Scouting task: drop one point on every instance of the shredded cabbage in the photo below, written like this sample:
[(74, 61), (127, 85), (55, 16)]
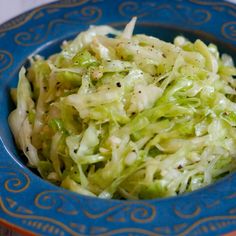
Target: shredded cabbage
[(129, 116)]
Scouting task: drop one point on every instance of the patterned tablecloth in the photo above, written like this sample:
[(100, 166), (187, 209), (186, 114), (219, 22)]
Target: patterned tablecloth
[(6, 232), (9, 9)]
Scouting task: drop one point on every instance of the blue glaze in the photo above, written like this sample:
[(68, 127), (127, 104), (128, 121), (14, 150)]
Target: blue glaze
[(29, 202)]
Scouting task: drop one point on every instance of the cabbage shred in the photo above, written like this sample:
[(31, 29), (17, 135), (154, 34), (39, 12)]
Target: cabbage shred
[(128, 117)]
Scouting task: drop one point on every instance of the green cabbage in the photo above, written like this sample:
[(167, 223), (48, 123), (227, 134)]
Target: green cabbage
[(128, 117)]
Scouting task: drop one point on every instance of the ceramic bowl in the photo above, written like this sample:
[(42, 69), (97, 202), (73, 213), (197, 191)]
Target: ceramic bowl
[(33, 206)]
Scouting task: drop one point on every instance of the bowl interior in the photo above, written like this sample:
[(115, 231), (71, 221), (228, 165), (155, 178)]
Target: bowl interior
[(165, 33)]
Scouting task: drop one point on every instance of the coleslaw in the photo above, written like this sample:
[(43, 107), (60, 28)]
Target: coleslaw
[(128, 116)]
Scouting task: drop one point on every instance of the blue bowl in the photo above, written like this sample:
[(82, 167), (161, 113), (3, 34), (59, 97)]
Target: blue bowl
[(33, 206)]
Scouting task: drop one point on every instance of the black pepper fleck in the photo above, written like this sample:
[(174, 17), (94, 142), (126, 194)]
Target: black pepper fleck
[(75, 151), (118, 84)]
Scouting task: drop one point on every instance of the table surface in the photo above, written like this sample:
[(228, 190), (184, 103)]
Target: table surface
[(7, 11)]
